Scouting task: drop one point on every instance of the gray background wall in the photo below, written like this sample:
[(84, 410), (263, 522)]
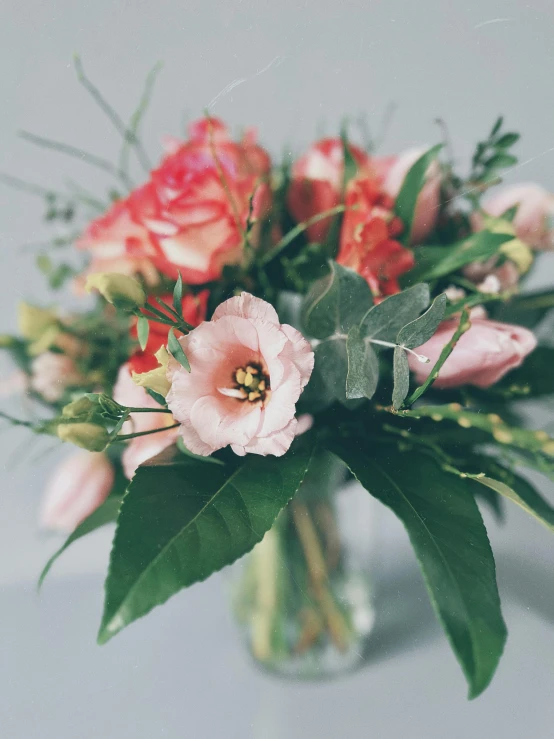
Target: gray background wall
[(298, 67)]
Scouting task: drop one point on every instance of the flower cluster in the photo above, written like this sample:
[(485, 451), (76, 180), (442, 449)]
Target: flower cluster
[(250, 318)]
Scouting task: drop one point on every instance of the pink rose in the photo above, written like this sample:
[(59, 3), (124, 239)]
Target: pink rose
[(247, 373), (484, 354), (535, 211), (393, 171), (80, 484), (317, 183), (141, 448)]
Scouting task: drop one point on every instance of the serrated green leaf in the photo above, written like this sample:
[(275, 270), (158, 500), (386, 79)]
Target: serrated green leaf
[(143, 329), (411, 187), (384, 321), (363, 367), (104, 514), (178, 524), (447, 532), (419, 331), (335, 303), (401, 377), (177, 350), (434, 262), (178, 296)]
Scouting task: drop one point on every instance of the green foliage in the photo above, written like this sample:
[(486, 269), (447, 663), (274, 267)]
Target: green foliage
[(491, 155), (526, 310), (401, 377), (445, 528), (363, 366), (420, 330), (143, 329), (385, 320), (411, 187), (180, 523), (177, 350)]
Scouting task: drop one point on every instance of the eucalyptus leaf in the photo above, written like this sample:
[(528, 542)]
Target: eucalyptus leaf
[(335, 303), (384, 320), (363, 367), (411, 187), (401, 376), (419, 331), (445, 527), (176, 350), (180, 523)]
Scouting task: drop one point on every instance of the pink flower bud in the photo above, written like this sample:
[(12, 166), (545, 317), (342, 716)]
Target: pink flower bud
[(79, 484), (535, 209), (484, 354)]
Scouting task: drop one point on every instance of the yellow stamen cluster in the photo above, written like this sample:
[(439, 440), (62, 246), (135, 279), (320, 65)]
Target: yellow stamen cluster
[(252, 382)]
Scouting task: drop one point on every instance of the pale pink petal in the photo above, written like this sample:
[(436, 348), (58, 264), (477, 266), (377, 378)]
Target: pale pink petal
[(247, 306), (142, 448), (275, 444)]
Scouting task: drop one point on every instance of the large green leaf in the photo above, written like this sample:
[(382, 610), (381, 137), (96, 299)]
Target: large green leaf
[(384, 321), (414, 181), (104, 514), (335, 303), (445, 527), (180, 522)]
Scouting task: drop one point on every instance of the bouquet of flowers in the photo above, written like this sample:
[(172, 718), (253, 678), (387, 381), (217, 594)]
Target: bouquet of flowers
[(262, 334)]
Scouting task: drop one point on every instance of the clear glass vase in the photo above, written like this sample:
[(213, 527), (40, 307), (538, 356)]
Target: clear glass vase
[(303, 597)]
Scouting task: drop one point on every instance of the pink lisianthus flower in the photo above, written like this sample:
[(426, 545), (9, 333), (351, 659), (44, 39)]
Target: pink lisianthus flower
[(483, 354), (141, 448), (247, 373), (78, 486)]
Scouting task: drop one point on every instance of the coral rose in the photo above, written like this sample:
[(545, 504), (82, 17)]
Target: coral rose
[(535, 211), (317, 182), (483, 354), (247, 373), (367, 243), (197, 203), (393, 171), (141, 448), (79, 484)]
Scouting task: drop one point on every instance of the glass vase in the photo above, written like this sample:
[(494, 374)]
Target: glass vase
[(303, 597)]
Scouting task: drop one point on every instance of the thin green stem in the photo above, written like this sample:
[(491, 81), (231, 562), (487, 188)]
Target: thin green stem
[(148, 410), (16, 421), (125, 437), (463, 326), (30, 187)]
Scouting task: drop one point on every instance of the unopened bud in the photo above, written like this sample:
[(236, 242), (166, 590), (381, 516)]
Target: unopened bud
[(121, 291), (88, 436), (80, 408)]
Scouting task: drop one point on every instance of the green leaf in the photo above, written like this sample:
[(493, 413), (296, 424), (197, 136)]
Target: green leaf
[(500, 161), (106, 513), (507, 140), (156, 396), (335, 303), (363, 367), (180, 523), (205, 460), (445, 528), (434, 262), (384, 321), (143, 328), (350, 166), (523, 494), (419, 331), (178, 296), (176, 349), (331, 368), (401, 375), (411, 187), (526, 310), (497, 126)]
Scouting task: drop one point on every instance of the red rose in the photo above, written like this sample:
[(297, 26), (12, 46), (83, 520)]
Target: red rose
[(194, 312), (317, 183), (367, 242)]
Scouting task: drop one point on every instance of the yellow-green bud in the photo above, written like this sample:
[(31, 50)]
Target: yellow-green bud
[(120, 290), (33, 322), (88, 436), (515, 249), (79, 408)]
